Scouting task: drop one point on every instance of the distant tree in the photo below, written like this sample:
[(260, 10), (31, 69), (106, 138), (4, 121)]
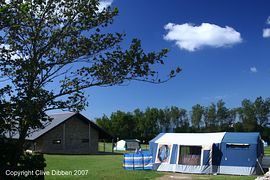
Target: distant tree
[(123, 125), (238, 127), (164, 118), (138, 116), (161, 120), (247, 115), (231, 120), (262, 109), (52, 50), (222, 115), (197, 115), (179, 117), (210, 117), (105, 123), (149, 124)]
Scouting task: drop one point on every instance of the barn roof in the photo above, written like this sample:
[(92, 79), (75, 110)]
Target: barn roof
[(60, 118)]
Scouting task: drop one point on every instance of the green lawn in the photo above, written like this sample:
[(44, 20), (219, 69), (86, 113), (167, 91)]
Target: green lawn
[(108, 167), (267, 151), (98, 166)]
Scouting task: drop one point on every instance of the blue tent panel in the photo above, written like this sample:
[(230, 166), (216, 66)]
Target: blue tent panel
[(206, 156), (174, 154), (244, 137)]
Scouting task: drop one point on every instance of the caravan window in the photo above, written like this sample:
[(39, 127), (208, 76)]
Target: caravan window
[(163, 153), (190, 155), (237, 145)]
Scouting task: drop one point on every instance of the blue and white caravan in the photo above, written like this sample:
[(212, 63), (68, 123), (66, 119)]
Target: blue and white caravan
[(207, 153)]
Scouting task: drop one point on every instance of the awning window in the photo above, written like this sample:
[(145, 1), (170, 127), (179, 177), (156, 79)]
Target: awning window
[(237, 145)]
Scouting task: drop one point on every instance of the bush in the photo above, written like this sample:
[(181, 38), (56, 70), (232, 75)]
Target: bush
[(27, 165)]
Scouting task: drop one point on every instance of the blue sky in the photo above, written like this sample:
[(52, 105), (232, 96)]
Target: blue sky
[(222, 46), (231, 67)]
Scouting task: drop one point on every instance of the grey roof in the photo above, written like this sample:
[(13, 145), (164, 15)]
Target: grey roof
[(56, 120), (59, 118)]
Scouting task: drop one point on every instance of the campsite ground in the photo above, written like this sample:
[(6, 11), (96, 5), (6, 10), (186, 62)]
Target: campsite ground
[(110, 167)]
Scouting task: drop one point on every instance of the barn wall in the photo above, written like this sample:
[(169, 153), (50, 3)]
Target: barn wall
[(75, 135)]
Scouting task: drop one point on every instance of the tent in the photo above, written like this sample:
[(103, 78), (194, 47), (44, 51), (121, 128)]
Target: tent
[(241, 154), (207, 153), (127, 144)]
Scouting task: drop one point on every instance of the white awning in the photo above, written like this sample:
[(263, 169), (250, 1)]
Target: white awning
[(191, 139)]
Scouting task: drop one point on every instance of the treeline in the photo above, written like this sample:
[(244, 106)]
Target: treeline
[(145, 125)]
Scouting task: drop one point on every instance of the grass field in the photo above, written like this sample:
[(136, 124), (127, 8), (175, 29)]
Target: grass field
[(110, 167), (98, 166), (267, 151)]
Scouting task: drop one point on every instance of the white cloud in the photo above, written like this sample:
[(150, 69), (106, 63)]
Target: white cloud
[(104, 4), (192, 38), (253, 69), (268, 20), (266, 33)]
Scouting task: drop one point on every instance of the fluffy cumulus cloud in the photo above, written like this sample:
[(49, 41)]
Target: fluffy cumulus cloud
[(266, 33), (253, 69), (191, 38), (104, 4)]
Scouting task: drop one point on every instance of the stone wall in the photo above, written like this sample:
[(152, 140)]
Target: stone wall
[(74, 136)]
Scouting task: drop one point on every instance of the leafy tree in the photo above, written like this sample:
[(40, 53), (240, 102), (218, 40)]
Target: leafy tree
[(248, 115), (105, 123), (138, 116), (179, 117), (231, 120), (123, 125), (262, 108), (210, 116), (197, 115), (52, 50), (222, 113), (149, 124), (164, 118)]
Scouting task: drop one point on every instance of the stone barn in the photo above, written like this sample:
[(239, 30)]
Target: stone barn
[(68, 133)]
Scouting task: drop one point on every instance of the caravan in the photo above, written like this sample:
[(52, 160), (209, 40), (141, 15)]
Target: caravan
[(208, 153)]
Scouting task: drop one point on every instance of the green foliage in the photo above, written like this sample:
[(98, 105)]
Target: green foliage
[(210, 116), (145, 125), (26, 162), (197, 115), (248, 115), (51, 51), (262, 109)]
